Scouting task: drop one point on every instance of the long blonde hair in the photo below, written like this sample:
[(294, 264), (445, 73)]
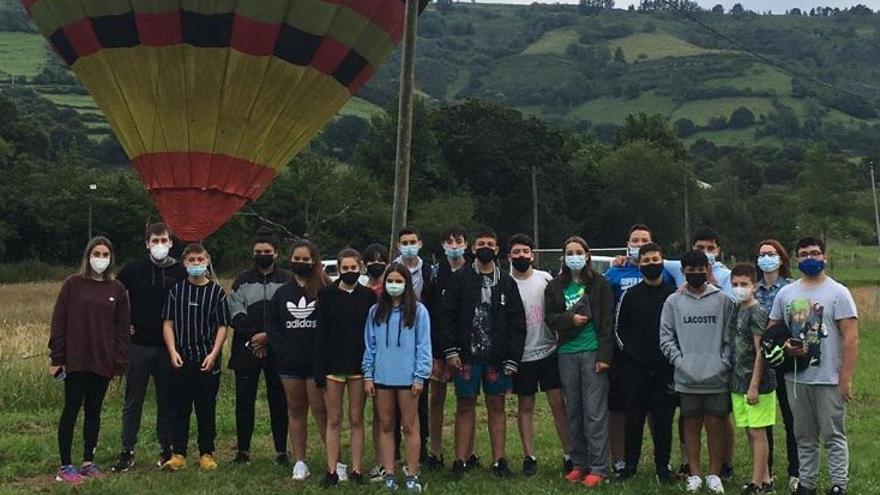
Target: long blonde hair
[(86, 268)]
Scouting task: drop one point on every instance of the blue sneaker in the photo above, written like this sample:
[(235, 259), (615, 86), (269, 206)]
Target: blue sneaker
[(413, 485), (391, 482)]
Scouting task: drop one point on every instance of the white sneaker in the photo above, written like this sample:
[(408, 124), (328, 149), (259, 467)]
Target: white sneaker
[(793, 483), (694, 483), (377, 474), (342, 471), (300, 471), (714, 484)]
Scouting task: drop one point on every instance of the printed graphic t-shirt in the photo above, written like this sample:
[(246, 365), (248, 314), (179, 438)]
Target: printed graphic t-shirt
[(812, 313)]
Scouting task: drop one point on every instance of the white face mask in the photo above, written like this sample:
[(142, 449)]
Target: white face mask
[(633, 252), (159, 251), (99, 265), (742, 294)]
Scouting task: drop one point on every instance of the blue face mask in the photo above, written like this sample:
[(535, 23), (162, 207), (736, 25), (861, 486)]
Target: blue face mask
[(196, 271), (454, 253), (711, 258), (769, 263), (576, 262), (410, 251), (633, 253), (811, 267)]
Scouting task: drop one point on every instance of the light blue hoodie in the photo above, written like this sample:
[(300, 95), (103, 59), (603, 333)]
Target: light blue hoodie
[(396, 355)]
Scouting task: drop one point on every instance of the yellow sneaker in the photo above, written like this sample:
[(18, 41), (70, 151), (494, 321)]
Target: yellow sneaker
[(176, 463), (207, 462)]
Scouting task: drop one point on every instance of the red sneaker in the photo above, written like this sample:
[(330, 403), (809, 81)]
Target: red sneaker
[(593, 480), (574, 475)]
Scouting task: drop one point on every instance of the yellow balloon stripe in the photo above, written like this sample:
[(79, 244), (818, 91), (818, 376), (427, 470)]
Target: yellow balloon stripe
[(213, 100)]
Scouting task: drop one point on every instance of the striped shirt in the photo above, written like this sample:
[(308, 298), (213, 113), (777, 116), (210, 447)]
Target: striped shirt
[(197, 313)]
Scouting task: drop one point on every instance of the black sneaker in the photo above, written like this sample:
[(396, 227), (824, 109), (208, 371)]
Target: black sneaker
[(473, 462), (330, 479), (684, 470), (459, 467), (837, 490), (433, 463), (282, 459), (124, 462), (530, 466), (667, 477), (726, 473), (242, 458), (751, 488), (357, 478), (500, 469), (627, 473), (567, 465), (164, 456)]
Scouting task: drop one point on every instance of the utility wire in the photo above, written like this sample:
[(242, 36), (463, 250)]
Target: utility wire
[(767, 60)]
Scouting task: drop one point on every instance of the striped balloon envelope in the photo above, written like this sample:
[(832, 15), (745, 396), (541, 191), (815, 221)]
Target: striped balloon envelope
[(210, 98)]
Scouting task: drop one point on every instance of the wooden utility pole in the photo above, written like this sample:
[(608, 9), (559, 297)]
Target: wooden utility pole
[(404, 122), (876, 210), (535, 211)]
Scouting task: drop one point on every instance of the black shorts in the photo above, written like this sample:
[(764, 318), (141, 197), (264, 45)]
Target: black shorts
[(616, 392), (299, 372), (379, 386), (693, 405), (544, 372)]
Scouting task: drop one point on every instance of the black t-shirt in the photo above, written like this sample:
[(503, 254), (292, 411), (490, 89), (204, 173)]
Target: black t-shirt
[(197, 312)]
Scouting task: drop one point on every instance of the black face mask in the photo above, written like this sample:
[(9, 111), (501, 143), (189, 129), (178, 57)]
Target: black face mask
[(263, 261), (695, 280), (485, 254), (350, 278), (376, 270), (521, 264), (301, 269), (651, 271)]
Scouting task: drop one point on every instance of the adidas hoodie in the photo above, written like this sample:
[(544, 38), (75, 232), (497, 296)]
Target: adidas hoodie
[(291, 326), (694, 338)]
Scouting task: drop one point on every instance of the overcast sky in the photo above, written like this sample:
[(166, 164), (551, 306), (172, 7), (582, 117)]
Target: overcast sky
[(777, 6)]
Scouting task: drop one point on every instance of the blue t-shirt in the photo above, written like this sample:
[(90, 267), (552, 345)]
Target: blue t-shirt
[(621, 278)]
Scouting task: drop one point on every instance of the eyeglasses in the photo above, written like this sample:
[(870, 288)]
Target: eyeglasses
[(809, 254)]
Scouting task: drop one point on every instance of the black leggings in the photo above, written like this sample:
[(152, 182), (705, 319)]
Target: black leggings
[(86, 390)]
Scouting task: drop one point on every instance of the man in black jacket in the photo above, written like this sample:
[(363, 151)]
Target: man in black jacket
[(483, 329), (647, 374), (248, 304), (148, 281)]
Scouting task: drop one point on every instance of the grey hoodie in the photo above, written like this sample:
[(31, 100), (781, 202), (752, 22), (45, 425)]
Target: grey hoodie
[(694, 337)]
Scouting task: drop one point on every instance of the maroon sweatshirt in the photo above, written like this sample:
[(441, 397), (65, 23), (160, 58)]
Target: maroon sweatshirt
[(90, 327)]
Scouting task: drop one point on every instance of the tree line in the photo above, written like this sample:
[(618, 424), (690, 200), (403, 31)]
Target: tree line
[(473, 163)]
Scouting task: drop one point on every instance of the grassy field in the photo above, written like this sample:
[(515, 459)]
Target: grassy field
[(22, 54), (612, 110), (30, 404), (759, 77), (656, 45), (554, 42)]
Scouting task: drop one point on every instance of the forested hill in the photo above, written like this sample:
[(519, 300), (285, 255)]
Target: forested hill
[(729, 77)]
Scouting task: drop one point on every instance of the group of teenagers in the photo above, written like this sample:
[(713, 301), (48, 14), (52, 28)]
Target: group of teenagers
[(610, 351)]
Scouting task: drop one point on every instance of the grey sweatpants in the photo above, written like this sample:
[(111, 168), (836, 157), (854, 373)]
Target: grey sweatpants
[(819, 413), (586, 407)]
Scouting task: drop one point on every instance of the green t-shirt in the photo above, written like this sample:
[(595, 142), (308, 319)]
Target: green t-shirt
[(586, 339)]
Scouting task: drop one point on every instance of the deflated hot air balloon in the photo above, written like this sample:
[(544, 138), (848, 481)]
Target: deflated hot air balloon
[(210, 98)]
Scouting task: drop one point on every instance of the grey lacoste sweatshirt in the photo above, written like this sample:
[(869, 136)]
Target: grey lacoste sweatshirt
[(694, 337)]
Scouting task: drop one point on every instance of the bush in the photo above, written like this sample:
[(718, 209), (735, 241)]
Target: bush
[(741, 117)]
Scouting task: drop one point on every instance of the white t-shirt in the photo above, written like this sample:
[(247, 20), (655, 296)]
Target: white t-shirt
[(540, 341)]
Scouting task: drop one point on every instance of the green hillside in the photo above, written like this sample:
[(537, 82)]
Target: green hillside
[(591, 71)]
